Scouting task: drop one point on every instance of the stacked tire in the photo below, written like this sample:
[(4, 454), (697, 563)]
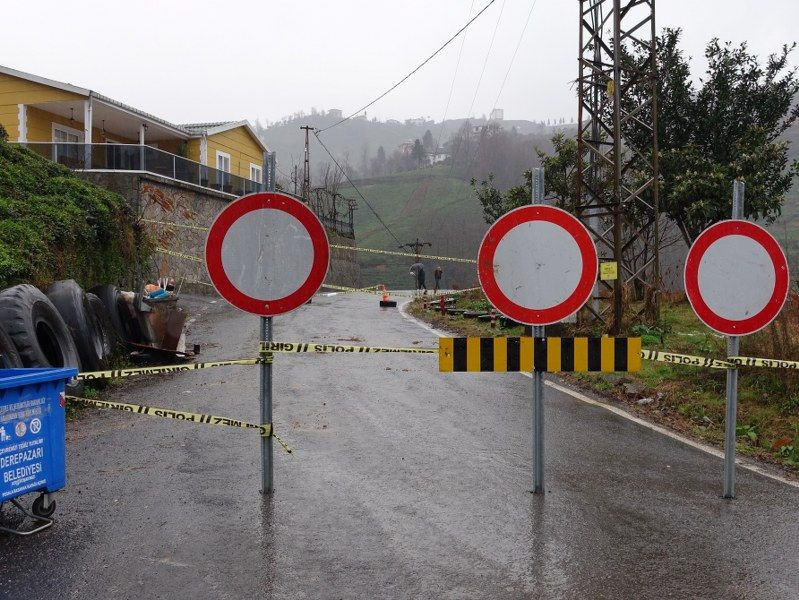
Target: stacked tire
[(61, 327)]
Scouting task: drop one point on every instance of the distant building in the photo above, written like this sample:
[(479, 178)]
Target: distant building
[(406, 148), (393, 122), (437, 157), (335, 113), (416, 121), (498, 114)]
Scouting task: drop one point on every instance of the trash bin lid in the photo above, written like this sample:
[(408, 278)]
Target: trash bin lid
[(10, 378)]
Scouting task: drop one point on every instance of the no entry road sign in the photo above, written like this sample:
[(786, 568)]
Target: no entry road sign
[(736, 277), (537, 264), (267, 253)]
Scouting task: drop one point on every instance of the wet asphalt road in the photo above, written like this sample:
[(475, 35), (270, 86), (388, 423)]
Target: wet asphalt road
[(405, 483)]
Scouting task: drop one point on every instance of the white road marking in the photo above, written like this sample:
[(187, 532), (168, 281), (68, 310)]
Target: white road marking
[(626, 415)]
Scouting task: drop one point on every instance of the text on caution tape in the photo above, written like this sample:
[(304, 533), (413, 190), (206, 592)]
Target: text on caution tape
[(288, 347), (265, 429)]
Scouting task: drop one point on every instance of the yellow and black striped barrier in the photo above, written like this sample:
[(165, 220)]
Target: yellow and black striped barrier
[(550, 354)]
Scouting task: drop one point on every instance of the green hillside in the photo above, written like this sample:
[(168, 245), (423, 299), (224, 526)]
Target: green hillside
[(428, 204), (54, 225)]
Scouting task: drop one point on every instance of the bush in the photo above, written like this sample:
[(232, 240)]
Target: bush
[(54, 225)]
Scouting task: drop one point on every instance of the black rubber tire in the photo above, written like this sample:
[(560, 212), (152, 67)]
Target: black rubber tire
[(105, 327), (73, 306), (9, 357), (37, 329), (39, 510), (124, 323)]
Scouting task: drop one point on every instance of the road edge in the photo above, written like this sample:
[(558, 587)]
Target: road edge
[(745, 463)]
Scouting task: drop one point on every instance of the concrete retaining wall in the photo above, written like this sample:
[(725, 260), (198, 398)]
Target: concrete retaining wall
[(169, 201)]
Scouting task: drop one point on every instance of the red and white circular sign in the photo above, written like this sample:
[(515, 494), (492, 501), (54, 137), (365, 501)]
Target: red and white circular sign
[(537, 264), (267, 253), (736, 277)]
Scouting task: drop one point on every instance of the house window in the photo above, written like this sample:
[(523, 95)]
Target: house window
[(256, 173), (62, 133), (223, 161), (65, 147), (222, 179)]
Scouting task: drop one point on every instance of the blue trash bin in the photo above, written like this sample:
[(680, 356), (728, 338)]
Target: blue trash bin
[(33, 438)]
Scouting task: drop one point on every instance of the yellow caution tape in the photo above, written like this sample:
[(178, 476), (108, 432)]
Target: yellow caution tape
[(266, 429), (293, 347), (685, 359), (773, 363), (408, 254), (339, 246), (181, 225), (350, 290), (169, 368), (205, 283), (180, 255)]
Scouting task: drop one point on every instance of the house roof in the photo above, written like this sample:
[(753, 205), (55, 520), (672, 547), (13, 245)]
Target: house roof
[(220, 126), (191, 129)]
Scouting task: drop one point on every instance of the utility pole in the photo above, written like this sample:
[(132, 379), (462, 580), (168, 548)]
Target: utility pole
[(617, 135), (294, 179), (416, 247), (306, 171)]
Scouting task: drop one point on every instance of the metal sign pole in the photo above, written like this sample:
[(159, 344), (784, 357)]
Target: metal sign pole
[(538, 377), (266, 411), (267, 485), (733, 346)]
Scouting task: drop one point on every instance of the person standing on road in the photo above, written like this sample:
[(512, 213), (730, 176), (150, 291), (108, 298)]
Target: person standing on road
[(417, 270), (437, 275)]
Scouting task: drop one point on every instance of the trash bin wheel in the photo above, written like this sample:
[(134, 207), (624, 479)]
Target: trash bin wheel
[(39, 510)]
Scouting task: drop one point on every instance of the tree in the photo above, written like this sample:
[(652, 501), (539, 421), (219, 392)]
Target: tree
[(379, 162), (495, 203), (560, 174), (418, 153), (427, 141), (729, 128)]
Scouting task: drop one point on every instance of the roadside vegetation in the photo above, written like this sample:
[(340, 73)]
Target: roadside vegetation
[(690, 400), (54, 225)]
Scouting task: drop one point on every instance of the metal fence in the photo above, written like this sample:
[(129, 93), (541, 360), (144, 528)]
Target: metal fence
[(137, 157)]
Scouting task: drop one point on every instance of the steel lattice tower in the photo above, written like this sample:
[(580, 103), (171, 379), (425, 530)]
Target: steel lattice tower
[(617, 188)]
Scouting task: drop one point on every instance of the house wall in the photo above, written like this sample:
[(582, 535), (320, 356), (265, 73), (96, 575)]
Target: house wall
[(15, 91), (40, 127), (165, 200), (193, 150), (243, 150)]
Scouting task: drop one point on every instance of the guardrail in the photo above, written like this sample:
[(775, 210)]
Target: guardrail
[(137, 157)]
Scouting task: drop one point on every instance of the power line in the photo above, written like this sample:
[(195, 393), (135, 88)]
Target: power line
[(513, 58), (485, 62), (452, 86), (374, 212), (401, 81)]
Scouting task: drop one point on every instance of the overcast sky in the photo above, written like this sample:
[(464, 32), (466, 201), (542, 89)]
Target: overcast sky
[(206, 61)]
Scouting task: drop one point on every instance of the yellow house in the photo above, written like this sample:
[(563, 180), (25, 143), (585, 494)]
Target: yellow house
[(85, 130)]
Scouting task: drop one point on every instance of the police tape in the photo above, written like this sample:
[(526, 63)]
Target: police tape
[(301, 347), (351, 290), (686, 359), (265, 429), (180, 255), (181, 225), (772, 363), (408, 254), (338, 246), (167, 369)]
